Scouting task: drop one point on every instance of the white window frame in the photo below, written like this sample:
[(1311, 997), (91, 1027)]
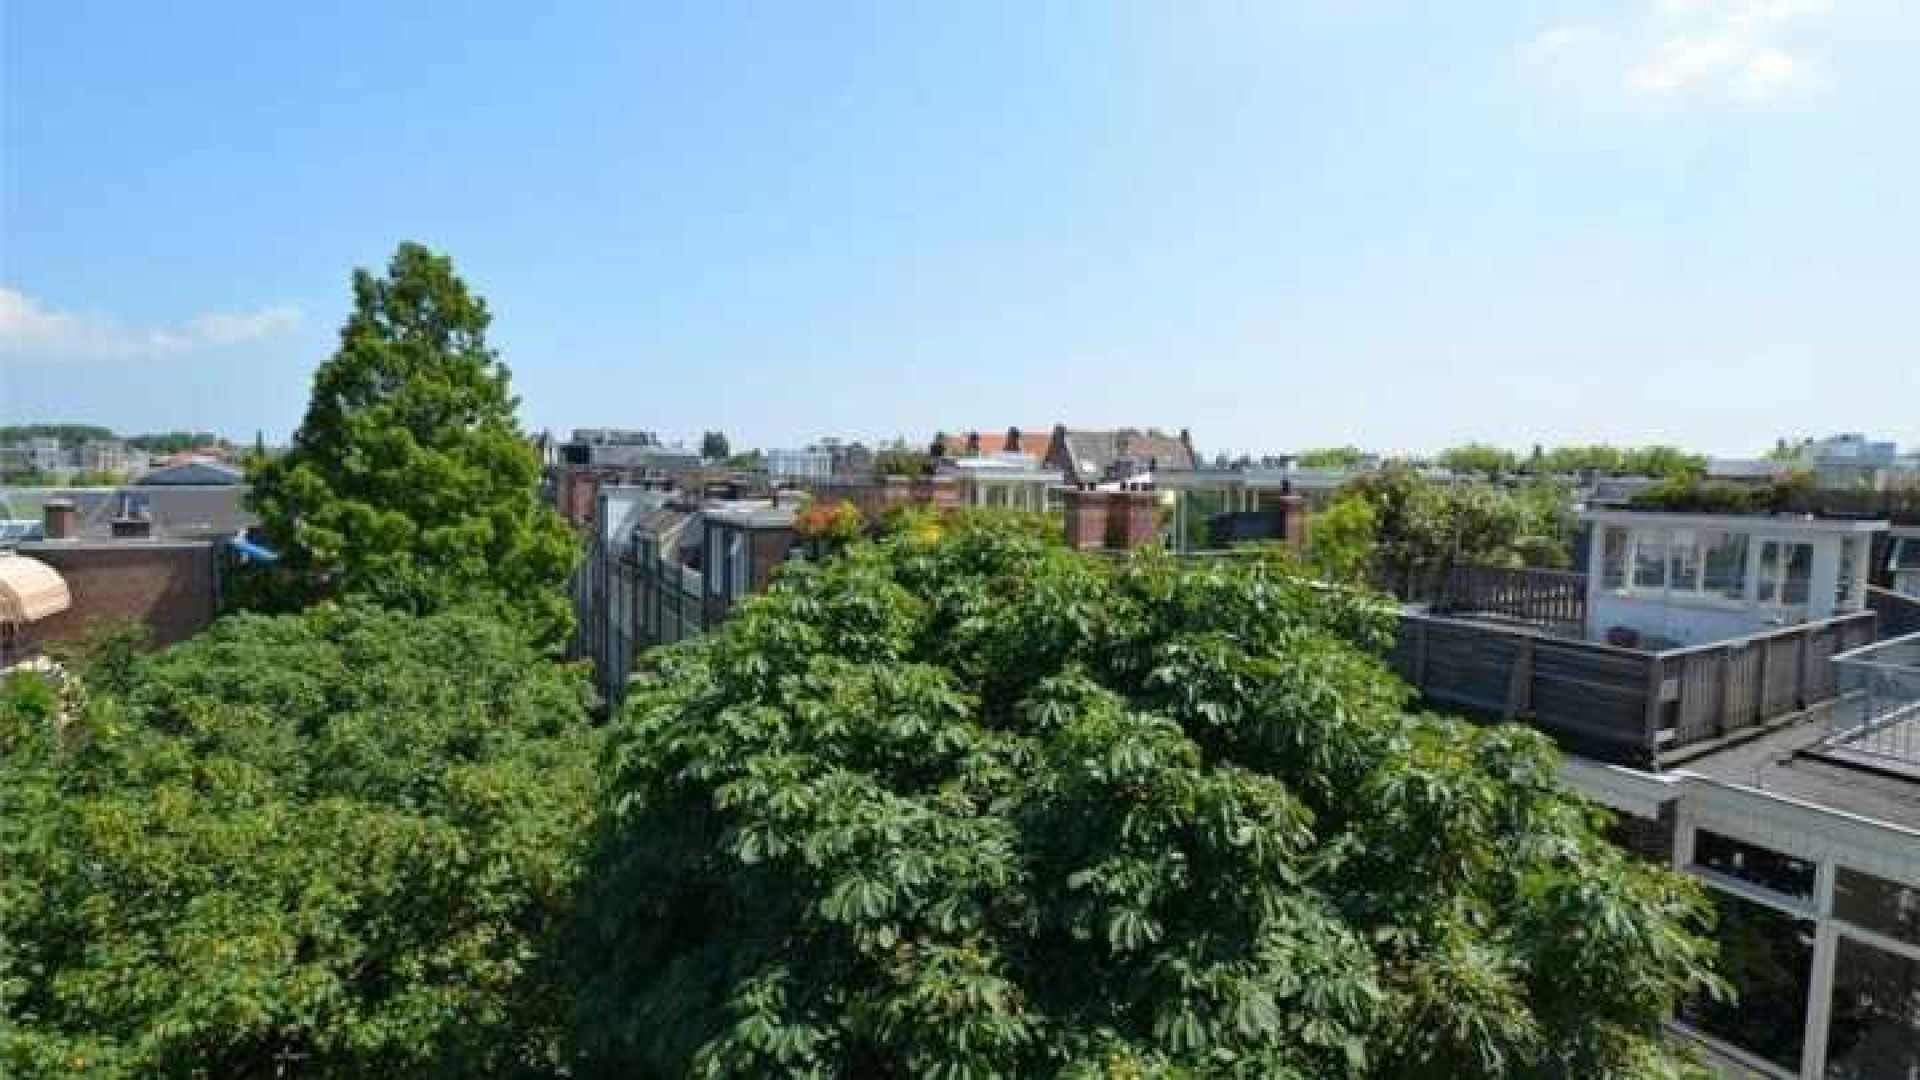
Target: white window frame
[(1775, 572), (1828, 931), (1694, 595)]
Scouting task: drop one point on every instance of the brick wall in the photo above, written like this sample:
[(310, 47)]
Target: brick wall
[(877, 497), (170, 587)]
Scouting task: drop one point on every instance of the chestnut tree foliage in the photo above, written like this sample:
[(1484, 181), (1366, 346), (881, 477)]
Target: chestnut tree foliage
[(337, 844), (962, 803)]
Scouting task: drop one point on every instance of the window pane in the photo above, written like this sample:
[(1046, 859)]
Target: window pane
[(1850, 570), (1614, 559), (1876, 904), (1683, 562), (1650, 561), (1767, 957), (1799, 574), (1875, 1027), (1751, 863), (1906, 554), (1725, 558), (1770, 572)]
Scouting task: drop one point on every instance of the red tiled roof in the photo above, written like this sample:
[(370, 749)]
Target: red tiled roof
[(1033, 441)]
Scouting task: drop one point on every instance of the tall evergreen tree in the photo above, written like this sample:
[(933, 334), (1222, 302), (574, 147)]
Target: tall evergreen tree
[(410, 483)]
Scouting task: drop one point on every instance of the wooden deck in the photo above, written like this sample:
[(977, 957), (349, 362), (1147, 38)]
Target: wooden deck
[(1624, 705)]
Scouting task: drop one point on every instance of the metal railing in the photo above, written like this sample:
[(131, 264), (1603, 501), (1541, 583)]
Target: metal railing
[(1877, 712)]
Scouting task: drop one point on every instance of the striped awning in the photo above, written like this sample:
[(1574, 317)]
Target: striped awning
[(30, 590)]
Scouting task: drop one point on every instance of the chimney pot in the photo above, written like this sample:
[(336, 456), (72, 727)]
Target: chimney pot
[(57, 519)]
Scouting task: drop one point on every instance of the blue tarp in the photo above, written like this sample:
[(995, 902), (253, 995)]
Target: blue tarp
[(252, 552)]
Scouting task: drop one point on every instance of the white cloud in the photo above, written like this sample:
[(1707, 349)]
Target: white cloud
[(1554, 40), (1742, 50), (31, 330)]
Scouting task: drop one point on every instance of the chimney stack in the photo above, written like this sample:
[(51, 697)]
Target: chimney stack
[(58, 519), (1112, 520)]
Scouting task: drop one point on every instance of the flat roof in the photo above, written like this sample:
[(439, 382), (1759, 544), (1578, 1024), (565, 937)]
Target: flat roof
[(1739, 522), (760, 518), (1790, 762)]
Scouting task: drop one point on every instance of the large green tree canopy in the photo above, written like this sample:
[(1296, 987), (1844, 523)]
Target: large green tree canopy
[(336, 844), (410, 483), (968, 804), (1421, 528)]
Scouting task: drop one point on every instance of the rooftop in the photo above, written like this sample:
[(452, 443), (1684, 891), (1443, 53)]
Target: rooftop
[(1737, 522), (1793, 762)]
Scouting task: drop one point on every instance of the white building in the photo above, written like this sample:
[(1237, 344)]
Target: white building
[(799, 466), (1688, 579), (1851, 461), (1007, 482)]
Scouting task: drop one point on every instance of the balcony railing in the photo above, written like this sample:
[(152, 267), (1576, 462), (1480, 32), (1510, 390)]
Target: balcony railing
[(1877, 712), (1552, 600)]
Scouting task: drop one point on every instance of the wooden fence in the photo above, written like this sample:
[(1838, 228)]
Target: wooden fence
[(1624, 705), (1723, 687)]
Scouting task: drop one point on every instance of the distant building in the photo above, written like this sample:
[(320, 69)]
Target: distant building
[(1851, 462), (1028, 442), (193, 473), (216, 512), (41, 454), (103, 456), (1006, 483), (1755, 471), (169, 586), (1088, 457), (46, 455), (596, 458), (877, 496), (662, 567), (799, 466)]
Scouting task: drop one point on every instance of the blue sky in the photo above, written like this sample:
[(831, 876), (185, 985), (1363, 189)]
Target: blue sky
[(1396, 223)]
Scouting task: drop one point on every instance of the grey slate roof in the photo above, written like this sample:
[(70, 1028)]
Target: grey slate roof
[(195, 473), (1091, 453), (177, 512)]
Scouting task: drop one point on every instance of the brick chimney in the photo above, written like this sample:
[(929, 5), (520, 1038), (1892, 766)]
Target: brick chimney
[(1112, 520), (58, 519), (1292, 511)]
